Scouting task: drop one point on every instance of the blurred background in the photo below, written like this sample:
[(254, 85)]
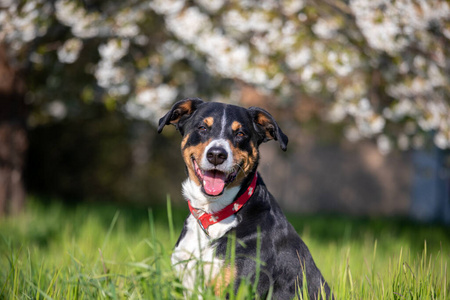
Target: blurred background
[(361, 88)]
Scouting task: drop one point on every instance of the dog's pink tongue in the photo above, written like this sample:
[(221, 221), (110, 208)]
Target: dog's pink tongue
[(213, 182)]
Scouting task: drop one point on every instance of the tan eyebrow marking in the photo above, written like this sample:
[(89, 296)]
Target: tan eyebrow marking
[(209, 121), (236, 125)]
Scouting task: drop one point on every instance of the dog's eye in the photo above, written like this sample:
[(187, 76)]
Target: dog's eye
[(202, 128), (240, 134)]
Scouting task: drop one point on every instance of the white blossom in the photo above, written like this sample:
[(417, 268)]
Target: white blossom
[(325, 29), (384, 144), (167, 6), (290, 7), (302, 17), (188, 24), (262, 44), (388, 25), (68, 53), (172, 52), (163, 95), (336, 113), (370, 125), (57, 109), (436, 78), (435, 114), (298, 58), (151, 102), (19, 24), (125, 22), (442, 140), (307, 73), (211, 5), (258, 21), (109, 75), (82, 23), (114, 50), (352, 134)]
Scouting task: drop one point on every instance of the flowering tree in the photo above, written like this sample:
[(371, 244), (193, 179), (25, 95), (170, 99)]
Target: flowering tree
[(378, 66)]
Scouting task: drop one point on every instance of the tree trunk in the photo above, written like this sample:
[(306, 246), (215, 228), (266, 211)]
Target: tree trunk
[(13, 136)]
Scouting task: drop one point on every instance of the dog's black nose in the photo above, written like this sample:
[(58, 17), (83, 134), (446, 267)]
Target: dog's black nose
[(216, 155)]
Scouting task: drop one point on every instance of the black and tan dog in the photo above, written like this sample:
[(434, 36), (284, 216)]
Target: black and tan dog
[(227, 196)]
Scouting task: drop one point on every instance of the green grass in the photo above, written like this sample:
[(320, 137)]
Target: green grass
[(89, 251)]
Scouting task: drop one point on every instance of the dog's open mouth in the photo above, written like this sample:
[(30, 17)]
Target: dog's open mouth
[(213, 181)]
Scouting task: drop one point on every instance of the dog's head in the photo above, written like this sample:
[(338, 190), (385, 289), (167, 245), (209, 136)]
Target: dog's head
[(220, 141)]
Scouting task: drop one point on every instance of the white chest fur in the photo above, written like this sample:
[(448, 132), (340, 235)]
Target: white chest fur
[(194, 258)]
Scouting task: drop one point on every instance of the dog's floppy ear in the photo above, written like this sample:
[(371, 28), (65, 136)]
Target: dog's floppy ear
[(179, 112), (267, 127)]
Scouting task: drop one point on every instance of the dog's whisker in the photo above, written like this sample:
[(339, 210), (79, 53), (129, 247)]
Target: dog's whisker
[(240, 169)]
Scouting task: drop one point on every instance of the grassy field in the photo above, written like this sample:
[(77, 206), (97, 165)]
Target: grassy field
[(90, 251)]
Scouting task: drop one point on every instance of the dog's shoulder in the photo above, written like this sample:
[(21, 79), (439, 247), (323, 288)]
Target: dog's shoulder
[(263, 218)]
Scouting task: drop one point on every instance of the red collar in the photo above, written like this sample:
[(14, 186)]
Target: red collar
[(205, 220)]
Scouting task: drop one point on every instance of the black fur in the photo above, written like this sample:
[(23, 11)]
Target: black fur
[(284, 254)]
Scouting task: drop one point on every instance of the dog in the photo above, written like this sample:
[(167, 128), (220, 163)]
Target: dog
[(228, 198)]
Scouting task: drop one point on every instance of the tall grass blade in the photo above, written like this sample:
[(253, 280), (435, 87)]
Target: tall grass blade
[(39, 291), (170, 220)]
